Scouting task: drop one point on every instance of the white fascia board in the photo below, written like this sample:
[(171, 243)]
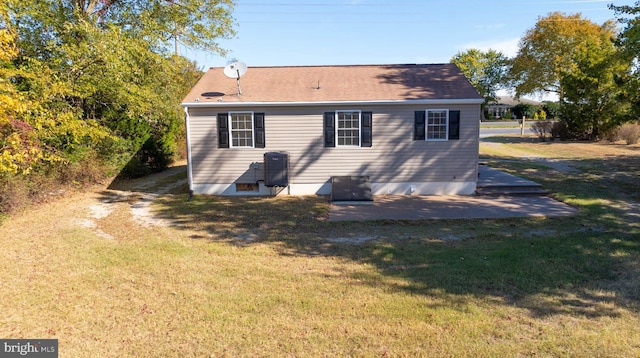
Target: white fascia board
[(336, 103)]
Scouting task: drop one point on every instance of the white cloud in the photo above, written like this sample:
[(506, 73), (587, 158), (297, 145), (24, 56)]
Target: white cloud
[(508, 47)]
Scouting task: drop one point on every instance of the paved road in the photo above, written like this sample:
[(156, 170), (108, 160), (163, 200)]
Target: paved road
[(489, 129)]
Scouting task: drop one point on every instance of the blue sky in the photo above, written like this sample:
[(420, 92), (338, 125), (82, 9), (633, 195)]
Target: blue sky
[(327, 32)]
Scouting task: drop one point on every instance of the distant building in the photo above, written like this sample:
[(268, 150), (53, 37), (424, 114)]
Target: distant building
[(499, 108)]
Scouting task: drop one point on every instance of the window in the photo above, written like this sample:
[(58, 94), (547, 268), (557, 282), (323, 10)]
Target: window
[(241, 130), (348, 129), (437, 125), (241, 124)]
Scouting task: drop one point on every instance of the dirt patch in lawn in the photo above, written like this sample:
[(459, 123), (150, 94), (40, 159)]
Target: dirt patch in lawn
[(137, 196)]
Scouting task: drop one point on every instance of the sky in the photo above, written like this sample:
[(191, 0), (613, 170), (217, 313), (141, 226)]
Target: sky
[(349, 32)]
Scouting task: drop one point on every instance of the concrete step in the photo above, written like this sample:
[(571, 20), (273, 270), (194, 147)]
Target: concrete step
[(510, 190)]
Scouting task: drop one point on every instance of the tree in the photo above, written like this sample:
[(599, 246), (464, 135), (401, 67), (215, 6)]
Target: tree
[(487, 71), (628, 44), (575, 59), (19, 147), (196, 23), (592, 100), (551, 108), (524, 110), (547, 51), (93, 83)]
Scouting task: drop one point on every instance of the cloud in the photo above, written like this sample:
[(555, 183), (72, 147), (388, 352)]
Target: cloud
[(508, 47)]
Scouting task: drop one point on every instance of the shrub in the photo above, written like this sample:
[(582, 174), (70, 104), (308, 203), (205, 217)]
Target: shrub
[(524, 109), (18, 192), (559, 130), (542, 114), (552, 109), (508, 114), (541, 129), (13, 194), (629, 132)]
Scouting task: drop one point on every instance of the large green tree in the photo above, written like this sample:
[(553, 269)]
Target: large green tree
[(575, 59), (593, 103), (487, 71), (102, 74), (628, 43), (94, 84), (197, 23), (548, 51)]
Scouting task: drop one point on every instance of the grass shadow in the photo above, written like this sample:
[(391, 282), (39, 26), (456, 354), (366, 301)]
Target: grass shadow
[(548, 266), (586, 265)]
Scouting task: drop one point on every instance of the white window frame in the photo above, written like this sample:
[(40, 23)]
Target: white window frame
[(231, 130), (426, 126), (359, 129)]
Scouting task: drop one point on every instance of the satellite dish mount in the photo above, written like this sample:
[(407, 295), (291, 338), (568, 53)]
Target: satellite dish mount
[(236, 70)]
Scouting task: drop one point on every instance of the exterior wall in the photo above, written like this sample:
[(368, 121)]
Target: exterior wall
[(396, 164)]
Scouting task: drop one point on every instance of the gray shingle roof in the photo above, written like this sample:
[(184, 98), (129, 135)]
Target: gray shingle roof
[(335, 84)]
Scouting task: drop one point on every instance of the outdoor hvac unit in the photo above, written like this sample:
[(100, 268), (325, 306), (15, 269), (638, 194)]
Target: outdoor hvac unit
[(351, 188), (276, 169)]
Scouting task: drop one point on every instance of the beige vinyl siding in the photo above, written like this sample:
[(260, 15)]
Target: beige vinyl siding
[(394, 157)]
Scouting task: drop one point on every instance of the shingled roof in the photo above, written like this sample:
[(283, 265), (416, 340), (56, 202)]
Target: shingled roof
[(308, 84)]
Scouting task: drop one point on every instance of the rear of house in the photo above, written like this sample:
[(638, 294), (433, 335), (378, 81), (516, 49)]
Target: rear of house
[(407, 129)]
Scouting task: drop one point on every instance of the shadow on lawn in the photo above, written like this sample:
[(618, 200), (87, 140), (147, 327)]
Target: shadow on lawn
[(588, 264)]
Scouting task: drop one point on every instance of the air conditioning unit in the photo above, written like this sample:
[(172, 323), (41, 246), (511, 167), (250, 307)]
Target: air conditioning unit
[(276, 169)]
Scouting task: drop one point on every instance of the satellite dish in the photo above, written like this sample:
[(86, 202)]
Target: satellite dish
[(235, 70)]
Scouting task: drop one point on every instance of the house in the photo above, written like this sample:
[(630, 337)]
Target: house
[(405, 129), (498, 109)]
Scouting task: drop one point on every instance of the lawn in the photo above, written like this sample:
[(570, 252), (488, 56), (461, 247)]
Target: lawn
[(272, 277)]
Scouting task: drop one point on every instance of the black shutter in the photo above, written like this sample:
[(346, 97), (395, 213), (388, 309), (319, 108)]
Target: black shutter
[(258, 130), (419, 127), (223, 130), (454, 125), (329, 129), (366, 129)]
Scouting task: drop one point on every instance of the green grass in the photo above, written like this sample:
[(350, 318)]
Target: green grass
[(273, 277)]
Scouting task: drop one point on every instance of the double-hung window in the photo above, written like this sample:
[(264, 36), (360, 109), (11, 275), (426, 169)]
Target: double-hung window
[(241, 130), (352, 128), (348, 128), (436, 125)]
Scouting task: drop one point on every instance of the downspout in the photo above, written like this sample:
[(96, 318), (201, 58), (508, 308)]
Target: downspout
[(189, 163)]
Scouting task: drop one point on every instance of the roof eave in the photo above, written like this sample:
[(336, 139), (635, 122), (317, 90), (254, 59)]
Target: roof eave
[(340, 103)]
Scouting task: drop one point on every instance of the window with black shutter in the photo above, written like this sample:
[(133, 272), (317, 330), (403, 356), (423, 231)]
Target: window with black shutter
[(348, 129), (241, 130), (454, 125), (436, 125), (419, 128), (366, 130), (258, 130), (329, 129), (223, 130)]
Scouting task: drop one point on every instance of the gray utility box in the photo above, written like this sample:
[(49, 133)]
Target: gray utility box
[(276, 169), (351, 188)]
